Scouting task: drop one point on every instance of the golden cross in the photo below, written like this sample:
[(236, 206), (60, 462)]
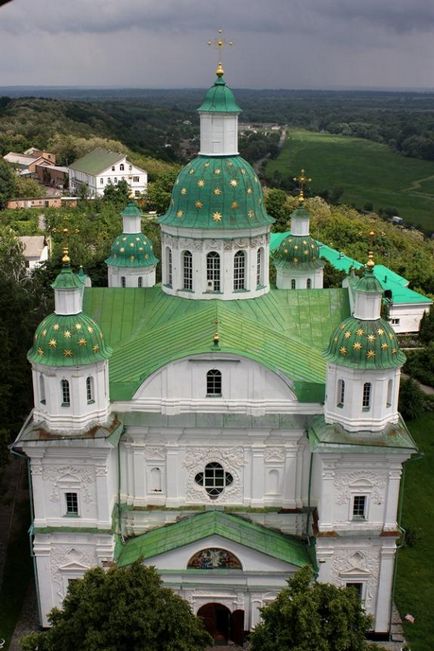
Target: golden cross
[(302, 181), (66, 234), (219, 43)]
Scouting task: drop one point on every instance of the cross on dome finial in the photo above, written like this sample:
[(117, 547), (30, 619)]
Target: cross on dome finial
[(219, 43), (302, 181)]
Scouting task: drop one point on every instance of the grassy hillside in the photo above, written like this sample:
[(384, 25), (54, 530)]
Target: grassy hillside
[(367, 172)]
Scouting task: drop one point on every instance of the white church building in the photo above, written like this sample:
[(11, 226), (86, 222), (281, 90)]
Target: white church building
[(227, 432)]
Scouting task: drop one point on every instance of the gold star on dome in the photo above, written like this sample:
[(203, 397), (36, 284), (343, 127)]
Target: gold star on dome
[(82, 341), (67, 352), (132, 257), (198, 204), (251, 213), (124, 239), (341, 326), (242, 170), (137, 239), (90, 329), (394, 351), (296, 260), (184, 191), (234, 204), (312, 246), (285, 250), (249, 190), (52, 343), (296, 247), (217, 171), (230, 164), (40, 351), (206, 164), (217, 191), (191, 171), (304, 242), (384, 346), (146, 256), (78, 326), (371, 338), (336, 340), (306, 252), (131, 243), (357, 345), (180, 213), (347, 335), (233, 183), (141, 248), (56, 326), (217, 217), (43, 333), (370, 354), (122, 250), (360, 332), (201, 183), (95, 348), (380, 331), (67, 334), (343, 350)]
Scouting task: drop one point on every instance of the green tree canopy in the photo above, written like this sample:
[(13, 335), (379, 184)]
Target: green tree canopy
[(122, 609), (7, 183), (426, 329), (307, 615), (277, 205)]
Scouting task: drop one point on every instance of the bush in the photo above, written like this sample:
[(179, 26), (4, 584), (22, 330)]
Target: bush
[(411, 399)]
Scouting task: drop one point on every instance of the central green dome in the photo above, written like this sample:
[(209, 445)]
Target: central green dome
[(219, 193)]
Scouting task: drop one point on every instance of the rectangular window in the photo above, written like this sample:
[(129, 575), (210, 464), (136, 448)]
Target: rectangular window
[(394, 321), (239, 271), (359, 507), (136, 179), (341, 393), (213, 272), (101, 181), (71, 503), (188, 270), (366, 397)]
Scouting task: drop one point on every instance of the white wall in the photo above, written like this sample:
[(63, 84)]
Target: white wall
[(97, 183), (284, 278), (131, 275), (406, 317)]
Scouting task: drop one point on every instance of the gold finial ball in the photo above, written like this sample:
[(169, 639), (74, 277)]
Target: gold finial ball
[(65, 259), (216, 338), (370, 264), (219, 70)]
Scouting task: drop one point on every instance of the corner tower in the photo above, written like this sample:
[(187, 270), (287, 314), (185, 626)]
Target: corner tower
[(215, 234)]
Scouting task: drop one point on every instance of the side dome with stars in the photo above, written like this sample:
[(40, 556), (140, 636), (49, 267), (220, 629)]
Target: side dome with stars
[(132, 250), (68, 340), (298, 251), (219, 193), (358, 343)]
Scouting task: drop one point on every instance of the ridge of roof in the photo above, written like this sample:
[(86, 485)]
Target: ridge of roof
[(96, 161)]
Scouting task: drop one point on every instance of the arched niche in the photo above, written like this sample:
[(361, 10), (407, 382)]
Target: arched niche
[(214, 558)]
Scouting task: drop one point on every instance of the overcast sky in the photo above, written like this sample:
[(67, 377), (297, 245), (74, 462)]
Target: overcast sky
[(163, 43)]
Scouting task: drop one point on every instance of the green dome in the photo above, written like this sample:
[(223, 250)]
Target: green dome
[(132, 250), (72, 340), (367, 283), (365, 344), (219, 193), (219, 99), (131, 210), (67, 279), (298, 251)]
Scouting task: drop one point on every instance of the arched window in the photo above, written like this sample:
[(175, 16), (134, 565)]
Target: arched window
[(214, 383), (90, 392), (260, 267), (121, 167), (389, 393), (42, 389), (123, 282), (293, 283), (168, 266), (309, 283), (155, 480), (214, 479), (239, 270), (187, 266), (340, 399), (140, 281), (213, 271), (366, 397), (66, 396), (214, 558)]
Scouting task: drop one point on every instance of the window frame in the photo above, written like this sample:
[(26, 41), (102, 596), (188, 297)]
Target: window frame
[(293, 283), (71, 504), (359, 513), (214, 383), (239, 279), (366, 396), (260, 267), (65, 392), (90, 390), (169, 267), (340, 393), (213, 271), (214, 479), (187, 271)]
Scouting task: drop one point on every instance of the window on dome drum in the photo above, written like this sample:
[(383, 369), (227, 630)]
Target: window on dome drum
[(66, 396), (293, 284), (308, 283), (214, 479), (90, 392), (42, 389), (260, 268), (214, 383), (168, 266), (358, 587), (121, 167), (239, 270), (389, 393), (366, 397), (71, 503), (140, 281), (123, 283), (213, 272), (187, 264), (359, 507), (341, 393)]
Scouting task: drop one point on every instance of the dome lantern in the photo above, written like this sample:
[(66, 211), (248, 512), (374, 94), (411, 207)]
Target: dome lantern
[(68, 289)]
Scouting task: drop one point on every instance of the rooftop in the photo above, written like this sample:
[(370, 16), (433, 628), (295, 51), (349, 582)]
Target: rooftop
[(96, 161)]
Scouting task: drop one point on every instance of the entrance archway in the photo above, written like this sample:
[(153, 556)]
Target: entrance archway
[(221, 624)]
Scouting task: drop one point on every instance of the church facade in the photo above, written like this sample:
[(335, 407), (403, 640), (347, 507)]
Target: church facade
[(225, 431)]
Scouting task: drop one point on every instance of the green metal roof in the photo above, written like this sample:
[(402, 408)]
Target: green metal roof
[(67, 279), (68, 341), (219, 99), (132, 250), (358, 343), (394, 437), (217, 192), (197, 527), (96, 161), (388, 279), (284, 330)]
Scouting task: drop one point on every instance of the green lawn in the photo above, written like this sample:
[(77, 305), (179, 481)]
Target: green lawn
[(367, 171), (414, 592)]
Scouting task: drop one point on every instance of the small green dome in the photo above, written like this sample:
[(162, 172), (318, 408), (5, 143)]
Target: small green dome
[(131, 210), (365, 344), (72, 340), (67, 279), (219, 193), (367, 283), (298, 251), (219, 99), (132, 250)]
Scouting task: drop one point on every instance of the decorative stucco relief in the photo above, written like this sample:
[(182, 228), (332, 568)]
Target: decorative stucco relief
[(361, 565), (84, 476), (73, 555), (230, 458), (345, 484), (273, 455)]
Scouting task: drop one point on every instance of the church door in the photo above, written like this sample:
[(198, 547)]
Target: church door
[(237, 627), (217, 621)]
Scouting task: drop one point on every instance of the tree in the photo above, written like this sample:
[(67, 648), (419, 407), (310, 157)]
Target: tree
[(122, 609), (117, 194), (7, 183), (276, 205), (307, 615), (28, 188), (159, 192), (426, 329), (411, 399)]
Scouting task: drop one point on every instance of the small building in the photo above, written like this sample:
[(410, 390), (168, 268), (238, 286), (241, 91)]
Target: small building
[(26, 163), (42, 202), (100, 168), (35, 250), (55, 176)]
